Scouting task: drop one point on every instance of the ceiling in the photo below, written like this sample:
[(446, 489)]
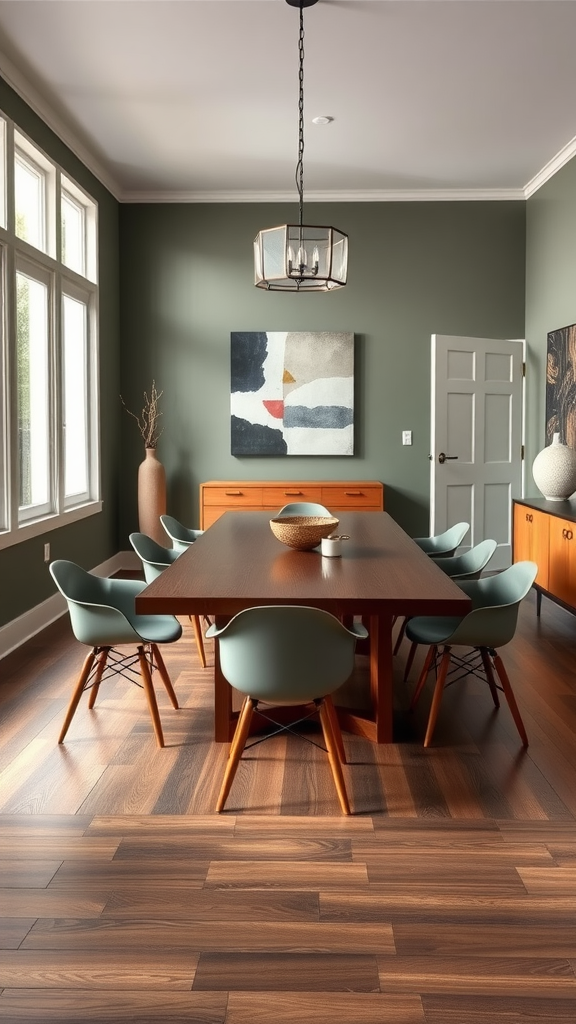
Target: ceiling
[(197, 99)]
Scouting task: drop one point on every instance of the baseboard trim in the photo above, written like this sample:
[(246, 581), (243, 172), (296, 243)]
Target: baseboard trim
[(18, 631)]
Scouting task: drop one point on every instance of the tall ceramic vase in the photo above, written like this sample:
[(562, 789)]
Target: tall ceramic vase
[(152, 497), (554, 470)]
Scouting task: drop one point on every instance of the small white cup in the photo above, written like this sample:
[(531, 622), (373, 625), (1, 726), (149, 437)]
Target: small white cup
[(331, 547)]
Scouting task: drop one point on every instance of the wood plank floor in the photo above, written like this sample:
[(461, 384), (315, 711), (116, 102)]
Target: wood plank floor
[(448, 897)]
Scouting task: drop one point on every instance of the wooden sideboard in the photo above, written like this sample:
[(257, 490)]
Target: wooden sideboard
[(545, 532), (219, 496)]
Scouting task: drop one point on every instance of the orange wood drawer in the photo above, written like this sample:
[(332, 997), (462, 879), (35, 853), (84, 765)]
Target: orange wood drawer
[(278, 496), (213, 512), (233, 496), (353, 496)]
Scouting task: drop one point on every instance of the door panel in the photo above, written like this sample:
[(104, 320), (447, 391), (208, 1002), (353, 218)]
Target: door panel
[(476, 400)]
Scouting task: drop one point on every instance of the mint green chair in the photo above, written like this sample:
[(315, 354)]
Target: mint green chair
[(445, 543), (468, 566), (103, 617), (304, 508), (155, 559), (287, 655), (490, 625), (181, 536)]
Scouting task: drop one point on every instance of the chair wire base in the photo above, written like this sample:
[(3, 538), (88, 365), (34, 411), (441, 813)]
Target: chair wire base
[(118, 664), (472, 664), (291, 727)]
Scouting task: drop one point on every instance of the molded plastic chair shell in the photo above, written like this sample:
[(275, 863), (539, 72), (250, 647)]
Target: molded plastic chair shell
[(155, 559), (181, 536), (445, 543), (492, 621), (287, 655), (304, 508), (103, 617), (102, 610), (468, 565), (491, 624)]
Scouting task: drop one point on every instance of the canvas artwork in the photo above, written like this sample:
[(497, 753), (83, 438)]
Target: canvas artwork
[(561, 385), (292, 393)]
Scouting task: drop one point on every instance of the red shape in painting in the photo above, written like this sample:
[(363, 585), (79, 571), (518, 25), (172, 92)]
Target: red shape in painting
[(275, 408)]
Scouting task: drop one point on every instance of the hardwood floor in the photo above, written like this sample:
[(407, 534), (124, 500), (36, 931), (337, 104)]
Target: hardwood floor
[(449, 896)]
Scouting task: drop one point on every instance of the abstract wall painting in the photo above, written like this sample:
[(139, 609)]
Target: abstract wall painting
[(292, 393), (561, 385)]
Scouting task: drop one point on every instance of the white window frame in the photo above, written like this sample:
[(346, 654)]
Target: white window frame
[(47, 265)]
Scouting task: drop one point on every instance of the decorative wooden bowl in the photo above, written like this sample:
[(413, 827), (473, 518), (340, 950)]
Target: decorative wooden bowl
[(303, 532)]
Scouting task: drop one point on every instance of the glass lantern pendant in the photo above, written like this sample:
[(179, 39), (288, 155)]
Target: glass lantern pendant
[(300, 257)]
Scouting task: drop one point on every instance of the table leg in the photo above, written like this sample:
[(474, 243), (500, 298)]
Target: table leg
[(222, 696), (382, 675)]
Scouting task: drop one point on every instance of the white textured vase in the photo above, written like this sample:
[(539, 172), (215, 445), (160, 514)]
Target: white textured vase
[(554, 470), (152, 496)]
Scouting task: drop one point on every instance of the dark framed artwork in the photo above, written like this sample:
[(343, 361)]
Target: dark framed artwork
[(292, 393), (561, 385)]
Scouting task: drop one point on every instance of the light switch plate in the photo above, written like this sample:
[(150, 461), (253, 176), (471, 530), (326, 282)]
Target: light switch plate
[(406, 437)]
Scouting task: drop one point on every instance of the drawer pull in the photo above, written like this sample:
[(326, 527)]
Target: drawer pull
[(353, 494), (292, 494), (529, 517), (233, 494), (567, 534)]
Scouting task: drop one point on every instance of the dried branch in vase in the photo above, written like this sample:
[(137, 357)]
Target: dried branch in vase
[(148, 420)]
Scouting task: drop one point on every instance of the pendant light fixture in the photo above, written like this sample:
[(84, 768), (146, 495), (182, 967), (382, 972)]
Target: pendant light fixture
[(300, 257)]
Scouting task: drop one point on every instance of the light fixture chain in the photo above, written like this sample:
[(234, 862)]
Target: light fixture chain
[(300, 164)]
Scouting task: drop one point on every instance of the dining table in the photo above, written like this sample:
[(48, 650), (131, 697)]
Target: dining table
[(382, 573)]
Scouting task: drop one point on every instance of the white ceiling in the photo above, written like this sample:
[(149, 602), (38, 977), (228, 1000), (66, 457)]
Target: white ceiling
[(197, 99)]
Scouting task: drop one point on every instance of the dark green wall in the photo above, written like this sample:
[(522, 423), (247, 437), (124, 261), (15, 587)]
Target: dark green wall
[(550, 291), (26, 580), (415, 269)]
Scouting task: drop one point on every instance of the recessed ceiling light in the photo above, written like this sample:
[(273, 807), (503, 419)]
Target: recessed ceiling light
[(322, 120)]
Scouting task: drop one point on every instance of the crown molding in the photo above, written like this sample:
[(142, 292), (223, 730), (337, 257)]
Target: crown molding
[(345, 196), (551, 168), (17, 81)]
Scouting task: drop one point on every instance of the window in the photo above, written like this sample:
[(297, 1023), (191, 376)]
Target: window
[(76, 398), (33, 396), (49, 472)]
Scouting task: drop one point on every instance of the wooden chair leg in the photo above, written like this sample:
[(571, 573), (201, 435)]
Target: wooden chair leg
[(410, 659), (78, 691), (503, 676), (102, 659), (195, 620), (490, 676), (400, 636), (438, 690), (336, 766), (432, 650), (150, 695), (331, 710), (236, 748), (159, 660)]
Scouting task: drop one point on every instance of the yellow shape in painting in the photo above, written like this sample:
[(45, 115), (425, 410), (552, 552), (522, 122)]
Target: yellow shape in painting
[(288, 378)]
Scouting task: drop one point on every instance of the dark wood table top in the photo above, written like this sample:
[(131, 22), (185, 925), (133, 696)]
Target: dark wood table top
[(238, 563)]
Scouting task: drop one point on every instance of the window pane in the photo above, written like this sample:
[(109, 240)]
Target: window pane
[(2, 172), (74, 330), (33, 398), (3, 438), (73, 234), (29, 184)]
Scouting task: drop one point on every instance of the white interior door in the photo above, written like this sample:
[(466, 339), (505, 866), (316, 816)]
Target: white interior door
[(476, 438)]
